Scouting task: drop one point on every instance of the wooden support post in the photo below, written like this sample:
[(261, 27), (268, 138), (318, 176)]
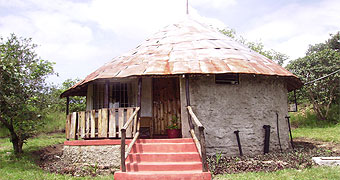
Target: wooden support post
[(106, 94), (203, 151), (77, 127), (187, 93), (139, 99), (67, 105), (122, 150)]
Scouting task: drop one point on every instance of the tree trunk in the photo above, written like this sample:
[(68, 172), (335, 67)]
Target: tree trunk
[(316, 107), (17, 143)]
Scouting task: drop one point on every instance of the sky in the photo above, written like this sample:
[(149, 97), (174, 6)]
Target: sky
[(82, 35)]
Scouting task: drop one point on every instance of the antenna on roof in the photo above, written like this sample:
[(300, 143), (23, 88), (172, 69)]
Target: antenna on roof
[(187, 6)]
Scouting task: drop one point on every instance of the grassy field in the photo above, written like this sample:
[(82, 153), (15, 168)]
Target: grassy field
[(328, 134)]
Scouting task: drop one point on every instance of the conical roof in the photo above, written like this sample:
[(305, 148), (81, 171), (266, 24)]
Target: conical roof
[(189, 47)]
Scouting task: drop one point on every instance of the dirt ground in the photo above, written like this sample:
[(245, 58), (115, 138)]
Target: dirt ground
[(50, 159)]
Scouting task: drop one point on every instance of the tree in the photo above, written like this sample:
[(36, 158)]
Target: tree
[(22, 79), (77, 103), (277, 57), (320, 60)]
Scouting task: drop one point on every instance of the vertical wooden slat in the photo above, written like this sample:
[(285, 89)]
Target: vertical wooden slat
[(99, 122), (112, 123), (129, 112), (120, 120), (93, 123), (68, 126), (87, 124), (162, 118), (73, 125), (169, 112), (165, 111), (159, 118), (82, 123), (102, 127)]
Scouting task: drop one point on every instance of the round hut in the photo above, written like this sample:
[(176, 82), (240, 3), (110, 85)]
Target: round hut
[(189, 74)]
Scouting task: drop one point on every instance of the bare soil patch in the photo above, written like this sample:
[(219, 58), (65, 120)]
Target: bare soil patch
[(298, 158)]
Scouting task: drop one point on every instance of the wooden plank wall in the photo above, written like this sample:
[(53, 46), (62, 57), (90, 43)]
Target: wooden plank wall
[(101, 123)]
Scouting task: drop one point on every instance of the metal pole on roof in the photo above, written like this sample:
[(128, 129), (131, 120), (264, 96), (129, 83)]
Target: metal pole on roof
[(187, 6)]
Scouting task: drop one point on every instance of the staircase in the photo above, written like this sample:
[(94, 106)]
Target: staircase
[(163, 159)]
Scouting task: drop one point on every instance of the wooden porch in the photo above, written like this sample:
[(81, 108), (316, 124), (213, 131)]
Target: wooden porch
[(101, 123), (125, 122)]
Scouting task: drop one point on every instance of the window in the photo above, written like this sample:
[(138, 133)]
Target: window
[(119, 95), (227, 79)]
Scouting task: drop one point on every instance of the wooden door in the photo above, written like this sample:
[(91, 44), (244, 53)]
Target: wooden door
[(166, 104)]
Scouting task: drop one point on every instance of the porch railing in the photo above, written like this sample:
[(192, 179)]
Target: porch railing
[(200, 143), (101, 123), (124, 154)]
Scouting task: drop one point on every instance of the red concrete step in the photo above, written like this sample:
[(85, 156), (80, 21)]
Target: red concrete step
[(164, 157), (163, 147), (174, 140), (164, 166), (160, 175)]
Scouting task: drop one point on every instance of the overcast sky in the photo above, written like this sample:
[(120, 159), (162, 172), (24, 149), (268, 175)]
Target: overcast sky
[(82, 35)]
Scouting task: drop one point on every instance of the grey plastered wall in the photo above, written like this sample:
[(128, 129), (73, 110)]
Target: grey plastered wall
[(224, 108)]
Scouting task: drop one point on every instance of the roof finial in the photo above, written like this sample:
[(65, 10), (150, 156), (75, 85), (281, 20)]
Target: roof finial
[(187, 6)]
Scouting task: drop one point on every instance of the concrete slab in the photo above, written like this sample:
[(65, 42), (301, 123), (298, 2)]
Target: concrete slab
[(327, 161)]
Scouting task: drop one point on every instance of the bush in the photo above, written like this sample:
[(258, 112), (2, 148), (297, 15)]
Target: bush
[(306, 117), (54, 121)]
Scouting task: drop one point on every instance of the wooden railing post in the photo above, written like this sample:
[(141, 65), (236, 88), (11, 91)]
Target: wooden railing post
[(203, 151), (122, 150)]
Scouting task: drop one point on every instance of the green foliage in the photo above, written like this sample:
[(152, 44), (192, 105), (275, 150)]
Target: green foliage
[(306, 117), (174, 123), (277, 57), (77, 103), (320, 60), (22, 79), (53, 122)]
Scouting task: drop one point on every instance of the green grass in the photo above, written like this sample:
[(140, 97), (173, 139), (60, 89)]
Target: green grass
[(24, 167), (3, 132), (287, 174), (328, 134), (53, 122)]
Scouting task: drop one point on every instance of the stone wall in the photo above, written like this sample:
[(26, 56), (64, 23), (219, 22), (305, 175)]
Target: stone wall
[(104, 155), (225, 108)]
